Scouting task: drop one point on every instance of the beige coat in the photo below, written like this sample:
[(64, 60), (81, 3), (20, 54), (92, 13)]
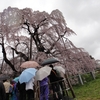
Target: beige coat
[(7, 86)]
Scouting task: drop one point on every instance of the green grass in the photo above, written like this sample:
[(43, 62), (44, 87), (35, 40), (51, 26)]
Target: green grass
[(89, 91)]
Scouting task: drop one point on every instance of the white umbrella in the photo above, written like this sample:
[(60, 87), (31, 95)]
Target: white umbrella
[(43, 72), (59, 69)]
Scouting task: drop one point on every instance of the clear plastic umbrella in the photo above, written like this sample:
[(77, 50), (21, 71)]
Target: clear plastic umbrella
[(43, 72), (59, 69)]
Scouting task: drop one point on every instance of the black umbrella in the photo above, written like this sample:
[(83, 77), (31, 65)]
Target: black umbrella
[(49, 61), (4, 77)]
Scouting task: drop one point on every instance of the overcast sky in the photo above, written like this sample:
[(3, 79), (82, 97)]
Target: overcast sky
[(82, 16)]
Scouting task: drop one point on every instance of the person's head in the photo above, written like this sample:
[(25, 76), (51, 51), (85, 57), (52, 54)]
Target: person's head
[(4, 80), (38, 67), (51, 66)]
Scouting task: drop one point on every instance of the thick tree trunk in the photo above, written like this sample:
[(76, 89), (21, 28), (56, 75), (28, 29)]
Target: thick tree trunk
[(21, 54), (5, 58)]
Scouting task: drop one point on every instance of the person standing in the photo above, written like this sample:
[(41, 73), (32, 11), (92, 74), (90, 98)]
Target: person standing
[(54, 80), (30, 90), (44, 89), (14, 95), (22, 91), (7, 86), (2, 91), (62, 82)]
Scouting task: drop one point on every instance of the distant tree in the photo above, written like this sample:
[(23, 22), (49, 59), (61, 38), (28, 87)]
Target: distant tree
[(39, 35), (45, 35)]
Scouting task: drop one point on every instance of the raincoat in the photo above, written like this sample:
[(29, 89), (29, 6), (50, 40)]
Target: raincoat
[(14, 92), (44, 89)]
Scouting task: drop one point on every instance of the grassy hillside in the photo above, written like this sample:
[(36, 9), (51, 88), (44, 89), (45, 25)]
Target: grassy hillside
[(90, 90)]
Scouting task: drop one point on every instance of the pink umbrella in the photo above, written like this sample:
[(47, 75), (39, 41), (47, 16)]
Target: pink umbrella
[(29, 64)]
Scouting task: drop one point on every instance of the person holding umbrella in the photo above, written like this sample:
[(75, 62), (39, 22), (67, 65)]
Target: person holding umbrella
[(29, 89), (54, 80), (22, 91), (44, 89), (42, 76), (25, 77)]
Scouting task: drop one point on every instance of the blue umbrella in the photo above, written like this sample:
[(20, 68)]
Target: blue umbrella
[(27, 74), (16, 79)]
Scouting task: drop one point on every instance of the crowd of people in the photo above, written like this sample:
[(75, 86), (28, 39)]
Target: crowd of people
[(49, 88)]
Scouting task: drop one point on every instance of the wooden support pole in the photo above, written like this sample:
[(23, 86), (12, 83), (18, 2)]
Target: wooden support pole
[(70, 86), (80, 79), (92, 74)]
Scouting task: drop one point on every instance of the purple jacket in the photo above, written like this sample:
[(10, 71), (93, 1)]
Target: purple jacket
[(44, 81)]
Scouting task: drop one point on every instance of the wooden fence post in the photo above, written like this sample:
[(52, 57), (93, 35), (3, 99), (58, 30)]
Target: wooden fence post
[(80, 79), (92, 74), (70, 86)]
